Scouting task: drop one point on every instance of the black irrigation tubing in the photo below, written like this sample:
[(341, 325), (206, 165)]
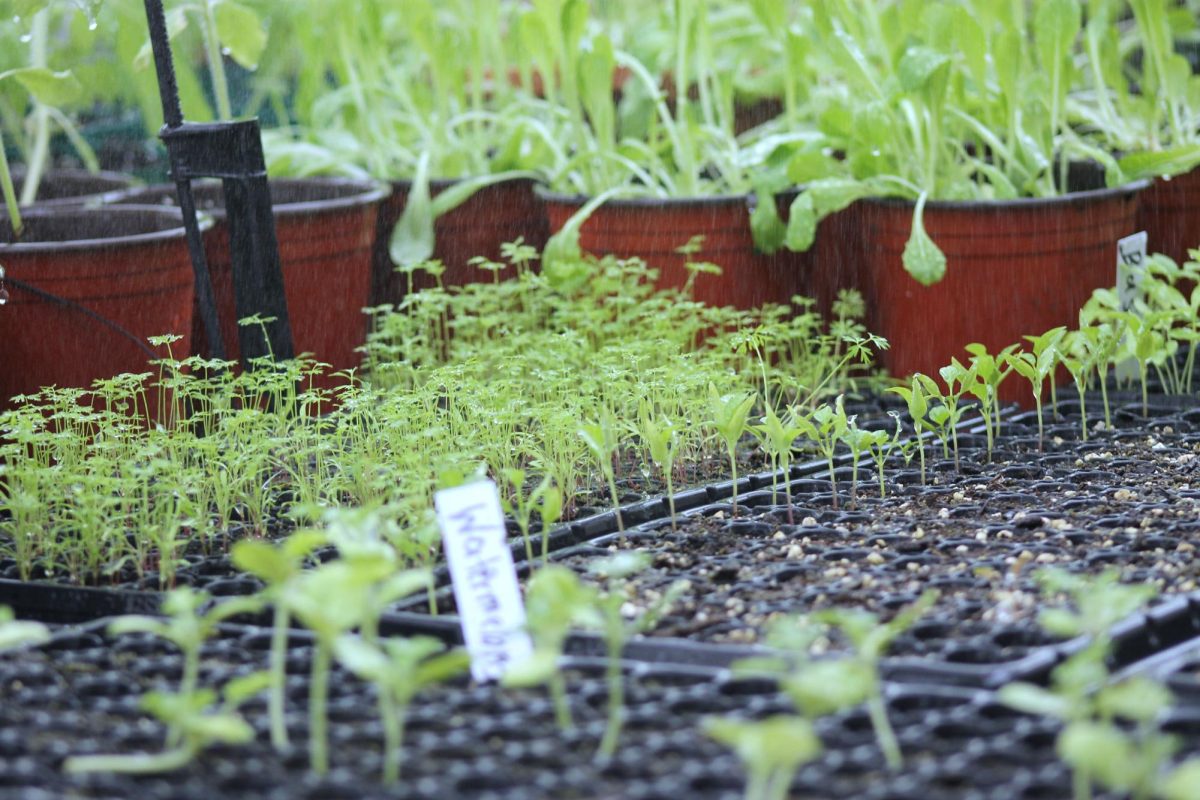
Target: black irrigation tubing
[(87, 312)]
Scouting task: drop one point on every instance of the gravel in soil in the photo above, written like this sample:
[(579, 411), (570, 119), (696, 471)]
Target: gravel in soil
[(79, 695)]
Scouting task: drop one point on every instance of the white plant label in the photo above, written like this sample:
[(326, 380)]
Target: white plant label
[(485, 582), (1131, 265)]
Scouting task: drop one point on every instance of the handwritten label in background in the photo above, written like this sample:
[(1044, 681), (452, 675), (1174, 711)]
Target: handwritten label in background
[(485, 582), (1131, 265)]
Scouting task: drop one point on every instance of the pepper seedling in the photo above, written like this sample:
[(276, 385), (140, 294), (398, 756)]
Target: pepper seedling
[(918, 408), (826, 427), (987, 373), (772, 750), (729, 416), (778, 435)]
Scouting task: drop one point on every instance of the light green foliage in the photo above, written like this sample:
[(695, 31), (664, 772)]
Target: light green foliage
[(825, 427), (827, 685), (17, 633), (729, 418), (772, 750), (986, 374)]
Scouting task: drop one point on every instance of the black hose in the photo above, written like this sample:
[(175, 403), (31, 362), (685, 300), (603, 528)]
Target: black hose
[(71, 304)]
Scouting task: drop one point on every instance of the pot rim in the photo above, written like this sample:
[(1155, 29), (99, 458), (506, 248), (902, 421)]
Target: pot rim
[(548, 195), (1068, 198), (126, 181), (404, 184), (130, 240), (370, 191)]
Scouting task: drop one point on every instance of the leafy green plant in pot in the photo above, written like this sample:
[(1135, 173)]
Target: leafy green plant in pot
[(953, 124), (641, 178), (416, 102), (1141, 110)]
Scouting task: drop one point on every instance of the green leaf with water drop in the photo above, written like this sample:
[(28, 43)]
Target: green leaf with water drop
[(923, 259), (241, 33), (47, 86)]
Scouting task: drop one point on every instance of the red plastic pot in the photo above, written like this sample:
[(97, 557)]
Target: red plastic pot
[(326, 229), (834, 262), (129, 266), (652, 229), (70, 187), (1170, 215), (492, 216), (1014, 268)]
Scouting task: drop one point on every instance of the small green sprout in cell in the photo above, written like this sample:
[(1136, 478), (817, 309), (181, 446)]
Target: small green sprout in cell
[(662, 439), (772, 750), (917, 400), (18, 633), (825, 427), (778, 436), (729, 415), (602, 442)]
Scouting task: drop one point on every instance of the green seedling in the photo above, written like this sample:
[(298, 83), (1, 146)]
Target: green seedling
[(618, 626), (601, 440), (957, 379), (16, 633), (521, 505), (1077, 355), (662, 439), (399, 669), (729, 415), (989, 371), (778, 436), (550, 509), (880, 445), (858, 441), (918, 409), (1049, 341), (275, 565), (824, 686), (825, 427), (772, 749), (359, 586), (1082, 696), (1035, 369), (187, 626), (555, 601), (198, 723)]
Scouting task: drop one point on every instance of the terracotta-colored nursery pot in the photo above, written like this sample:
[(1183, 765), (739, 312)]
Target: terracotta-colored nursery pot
[(652, 229), (1170, 215), (834, 262), (1014, 268), (129, 266), (70, 187), (492, 216), (325, 228)]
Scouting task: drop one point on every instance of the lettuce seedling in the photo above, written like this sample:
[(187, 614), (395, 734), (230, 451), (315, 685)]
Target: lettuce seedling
[(729, 416), (399, 668), (555, 600), (772, 749), (618, 624), (275, 565)]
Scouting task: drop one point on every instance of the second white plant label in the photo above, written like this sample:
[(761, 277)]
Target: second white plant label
[(485, 581)]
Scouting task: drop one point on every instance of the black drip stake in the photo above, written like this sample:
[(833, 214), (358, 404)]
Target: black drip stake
[(231, 151)]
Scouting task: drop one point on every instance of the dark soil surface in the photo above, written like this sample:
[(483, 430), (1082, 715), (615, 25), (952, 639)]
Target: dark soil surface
[(79, 695)]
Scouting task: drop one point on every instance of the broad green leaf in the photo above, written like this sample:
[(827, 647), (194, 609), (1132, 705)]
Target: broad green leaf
[(1152, 164), (766, 227), (535, 670), (923, 259), (1056, 23), (801, 224), (1034, 700), (226, 727), (1181, 782), (241, 32), (824, 687), (1136, 699), (365, 660), (412, 240), (47, 86), (919, 66), (779, 742)]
